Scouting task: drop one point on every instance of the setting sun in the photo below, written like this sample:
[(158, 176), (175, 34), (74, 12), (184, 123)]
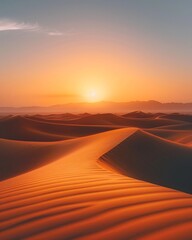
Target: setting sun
[(93, 96)]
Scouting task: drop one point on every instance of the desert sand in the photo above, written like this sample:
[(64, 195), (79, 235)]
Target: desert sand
[(96, 176)]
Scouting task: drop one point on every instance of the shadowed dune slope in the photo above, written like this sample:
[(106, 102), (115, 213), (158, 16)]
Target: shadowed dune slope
[(149, 158)]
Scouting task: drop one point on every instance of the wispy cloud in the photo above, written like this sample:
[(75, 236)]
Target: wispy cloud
[(12, 25), (55, 33), (58, 33)]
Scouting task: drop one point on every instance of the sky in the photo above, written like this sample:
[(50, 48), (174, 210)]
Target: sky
[(54, 52)]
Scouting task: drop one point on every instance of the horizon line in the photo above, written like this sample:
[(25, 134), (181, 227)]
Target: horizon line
[(92, 103)]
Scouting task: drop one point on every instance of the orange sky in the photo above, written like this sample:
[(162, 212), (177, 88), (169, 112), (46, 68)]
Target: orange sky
[(94, 52)]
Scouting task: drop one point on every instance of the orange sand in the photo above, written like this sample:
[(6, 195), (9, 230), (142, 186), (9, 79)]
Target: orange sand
[(96, 179)]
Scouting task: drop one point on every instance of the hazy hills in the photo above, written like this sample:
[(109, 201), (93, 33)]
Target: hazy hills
[(115, 107)]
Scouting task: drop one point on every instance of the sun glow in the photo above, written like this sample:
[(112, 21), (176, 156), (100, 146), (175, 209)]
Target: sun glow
[(94, 95)]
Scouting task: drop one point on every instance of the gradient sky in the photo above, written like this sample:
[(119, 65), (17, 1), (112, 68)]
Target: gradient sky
[(54, 52)]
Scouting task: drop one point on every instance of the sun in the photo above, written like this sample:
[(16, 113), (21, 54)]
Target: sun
[(93, 95)]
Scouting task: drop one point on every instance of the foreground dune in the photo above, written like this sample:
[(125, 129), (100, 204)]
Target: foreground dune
[(126, 183)]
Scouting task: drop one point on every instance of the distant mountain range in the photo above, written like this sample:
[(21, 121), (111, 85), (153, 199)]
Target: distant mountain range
[(100, 107)]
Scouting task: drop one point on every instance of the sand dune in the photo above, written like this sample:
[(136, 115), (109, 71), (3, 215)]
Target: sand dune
[(101, 119), (180, 136), (18, 157), (180, 126), (114, 184), (140, 114), (57, 118), (152, 159), (117, 120), (29, 129), (178, 116), (25, 156)]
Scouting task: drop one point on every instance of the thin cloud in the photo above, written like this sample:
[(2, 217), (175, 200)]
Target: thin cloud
[(55, 33), (11, 25), (66, 33)]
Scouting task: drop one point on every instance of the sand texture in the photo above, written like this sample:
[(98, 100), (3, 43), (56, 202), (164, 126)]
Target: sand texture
[(98, 177)]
